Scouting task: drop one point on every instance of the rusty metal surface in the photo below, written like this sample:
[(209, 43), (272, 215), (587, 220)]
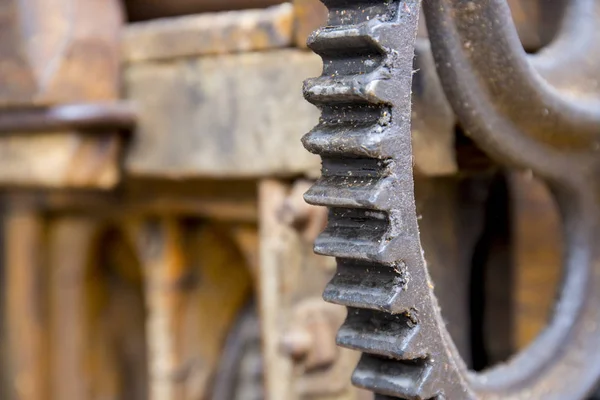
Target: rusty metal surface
[(536, 112)]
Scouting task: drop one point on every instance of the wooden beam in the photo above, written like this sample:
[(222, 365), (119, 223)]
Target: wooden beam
[(209, 34), (222, 200), (52, 54), (71, 243), (309, 15), (222, 117), (298, 327), (195, 284), (26, 318), (159, 243), (149, 9), (274, 240), (537, 255), (60, 160), (228, 117)]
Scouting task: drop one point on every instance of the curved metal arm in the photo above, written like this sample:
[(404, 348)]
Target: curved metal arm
[(540, 112), (520, 108), (563, 362)]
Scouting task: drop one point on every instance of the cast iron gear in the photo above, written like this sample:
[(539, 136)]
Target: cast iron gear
[(364, 139)]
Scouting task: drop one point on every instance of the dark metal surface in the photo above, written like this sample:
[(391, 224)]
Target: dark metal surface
[(537, 112), (364, 138), (83, 116)]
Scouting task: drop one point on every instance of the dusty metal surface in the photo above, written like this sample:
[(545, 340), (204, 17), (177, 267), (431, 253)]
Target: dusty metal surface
[(539, 113)]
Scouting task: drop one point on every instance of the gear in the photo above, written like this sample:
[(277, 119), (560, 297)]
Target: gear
[(364, 139)]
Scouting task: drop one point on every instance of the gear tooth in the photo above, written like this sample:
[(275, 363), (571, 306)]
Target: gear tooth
[(355, 40), (401, 379), (371, 88), (368, 285), (341, 12), (353, 183), (348, 141), (349, 192), (379, 333), (354, 234)]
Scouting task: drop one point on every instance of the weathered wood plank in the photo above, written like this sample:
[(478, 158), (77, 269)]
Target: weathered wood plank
[(60, 160), (195, 284), (117, 335), (55, 52), (298, 327), (71, 241), (537, 254), (226, 116), (159, 244), (26, 322), (209, 34), (309, 15), (274, 242), (52, 54), (148, 9), (218, 200)]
